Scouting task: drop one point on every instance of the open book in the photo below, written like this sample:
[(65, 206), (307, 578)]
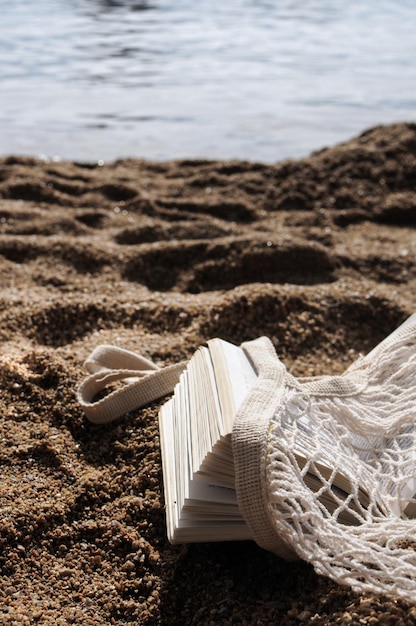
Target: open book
[(199, 481), (195, 432)]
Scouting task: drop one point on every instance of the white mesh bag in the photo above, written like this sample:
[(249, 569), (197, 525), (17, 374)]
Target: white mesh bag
[(325, 467)]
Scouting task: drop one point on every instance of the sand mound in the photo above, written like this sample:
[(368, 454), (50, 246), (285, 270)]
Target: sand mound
[(318, 254)]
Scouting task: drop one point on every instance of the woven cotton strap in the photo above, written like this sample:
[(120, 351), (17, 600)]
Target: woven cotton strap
[(143, 382), (249, 440)]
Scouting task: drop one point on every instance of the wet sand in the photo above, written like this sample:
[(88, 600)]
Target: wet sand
[(318, 254)]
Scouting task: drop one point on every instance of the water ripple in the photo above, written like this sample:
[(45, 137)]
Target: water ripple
[(259, 80)]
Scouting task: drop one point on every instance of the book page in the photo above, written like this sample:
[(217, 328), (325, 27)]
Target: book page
[(205, 416), (198, 468), (234, 376), (167, 445), (329, 464), (395, 462)]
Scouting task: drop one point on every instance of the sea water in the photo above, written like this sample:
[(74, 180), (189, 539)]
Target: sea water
[(250, 79)]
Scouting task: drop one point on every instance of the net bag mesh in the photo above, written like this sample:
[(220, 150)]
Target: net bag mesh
[(332, 462)]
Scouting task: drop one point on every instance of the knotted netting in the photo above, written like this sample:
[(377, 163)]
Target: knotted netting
[(336, 459)]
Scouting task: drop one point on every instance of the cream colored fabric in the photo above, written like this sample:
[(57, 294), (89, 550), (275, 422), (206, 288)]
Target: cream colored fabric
[(361, 425), (250, 445), (141, 382)]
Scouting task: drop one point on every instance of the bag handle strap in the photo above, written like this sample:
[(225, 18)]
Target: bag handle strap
[(143, 381), (355, 379), (146, 382)]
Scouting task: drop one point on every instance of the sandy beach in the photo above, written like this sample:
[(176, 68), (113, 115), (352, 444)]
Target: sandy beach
[(318, 254)]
